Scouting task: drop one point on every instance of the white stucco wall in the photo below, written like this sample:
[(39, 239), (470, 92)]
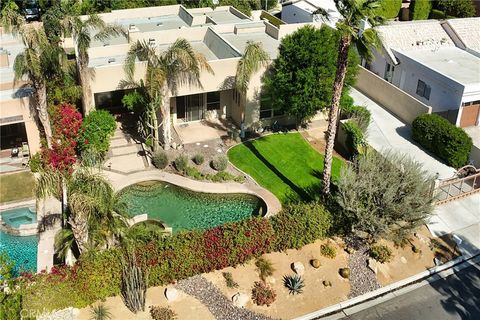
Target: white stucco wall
[(296, 13)]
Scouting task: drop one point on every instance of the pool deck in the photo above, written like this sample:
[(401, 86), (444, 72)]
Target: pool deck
[(121, 181)]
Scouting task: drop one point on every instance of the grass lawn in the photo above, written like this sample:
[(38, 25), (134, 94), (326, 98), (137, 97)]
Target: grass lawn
[(285, 164), (16, 186)]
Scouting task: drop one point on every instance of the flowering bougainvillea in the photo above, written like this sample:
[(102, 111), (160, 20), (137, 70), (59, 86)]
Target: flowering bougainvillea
[(66, 123)]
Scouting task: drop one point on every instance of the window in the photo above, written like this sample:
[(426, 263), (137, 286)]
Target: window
[(267, 110), (423, 90), (213, 100), (389, 70)]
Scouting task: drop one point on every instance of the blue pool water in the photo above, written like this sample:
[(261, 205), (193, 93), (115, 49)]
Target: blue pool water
[(16, 217), (21, 250)]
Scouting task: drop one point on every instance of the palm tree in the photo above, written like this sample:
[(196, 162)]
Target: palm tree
[(80, 30), (38, 63), (254, 57), (355, 13), (92, 216), (179, 65)]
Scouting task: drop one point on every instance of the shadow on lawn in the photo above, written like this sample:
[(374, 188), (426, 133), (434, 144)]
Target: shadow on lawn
[(300, 193)]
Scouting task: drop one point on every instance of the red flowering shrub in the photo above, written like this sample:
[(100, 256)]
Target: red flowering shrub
[(66, 122), (263, 294)]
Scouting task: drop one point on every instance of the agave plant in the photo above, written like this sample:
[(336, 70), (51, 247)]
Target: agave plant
[(294, 284), (100, 312)]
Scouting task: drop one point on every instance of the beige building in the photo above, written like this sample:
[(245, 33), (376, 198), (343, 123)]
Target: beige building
[(17, 124), (220, 35)]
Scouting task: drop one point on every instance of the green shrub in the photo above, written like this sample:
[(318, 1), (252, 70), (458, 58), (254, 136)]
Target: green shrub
[(181, 163), (381, 253), (220, 163), (193, 172), (362, 117), (264, 267), (437, 14), (456, 8), (162, 313), (96, 130), (229, 280), (355, 138), (198, 159), (160, 159), (100, 312), (327, 250), (389, 8), (420, 9), (222, 176), (300, 224), (263, 294), (346, 102), (438, 135), (36, 162)]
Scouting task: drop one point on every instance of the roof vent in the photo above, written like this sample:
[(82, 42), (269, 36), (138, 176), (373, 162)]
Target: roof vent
[(111, 60), (132, 26), (106, 44), (159, 24), (151, 41)]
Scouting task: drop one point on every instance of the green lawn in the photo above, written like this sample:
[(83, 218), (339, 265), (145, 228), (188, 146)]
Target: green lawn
[(16, 186), (285, 164)]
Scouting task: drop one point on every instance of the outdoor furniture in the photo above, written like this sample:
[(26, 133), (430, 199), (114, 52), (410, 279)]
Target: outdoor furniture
[(25, 150)]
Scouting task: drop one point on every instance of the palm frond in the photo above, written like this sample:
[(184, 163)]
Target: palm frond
[(110, 30), (253, 59), (64, 242), (11, 20), (48, 183)]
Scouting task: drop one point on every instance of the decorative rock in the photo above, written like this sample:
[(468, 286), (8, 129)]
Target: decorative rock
[(171, 294), (298, 267), (350, 250), (315, 263), (403, 259), (327, 283), (240, 299), (345, 273), (437, 261), (372, 264), (174, 145)]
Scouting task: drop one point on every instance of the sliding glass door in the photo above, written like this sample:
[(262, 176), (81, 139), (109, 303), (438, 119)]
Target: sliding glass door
[(191, 108)]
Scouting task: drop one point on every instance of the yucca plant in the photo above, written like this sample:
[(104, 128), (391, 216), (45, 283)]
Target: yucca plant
[(294, 284), (100, 312)]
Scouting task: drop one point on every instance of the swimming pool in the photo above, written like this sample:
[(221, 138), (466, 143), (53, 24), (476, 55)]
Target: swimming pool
[(18, 216), (183, 209), (21, 250)]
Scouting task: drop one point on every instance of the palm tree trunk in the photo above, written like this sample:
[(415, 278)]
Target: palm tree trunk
[(85, 81), (166, 125), (41, 97), (342, 62), (79, 225)]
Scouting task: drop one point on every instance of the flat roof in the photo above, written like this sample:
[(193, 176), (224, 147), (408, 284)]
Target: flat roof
[(104, 61), (452, 62), (224, 17), (239, 41)]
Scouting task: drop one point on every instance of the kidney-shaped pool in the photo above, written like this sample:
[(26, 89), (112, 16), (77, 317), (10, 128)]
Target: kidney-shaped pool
[(183, 209)]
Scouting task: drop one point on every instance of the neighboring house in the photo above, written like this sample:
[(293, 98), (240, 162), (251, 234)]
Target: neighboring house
[(220, 35), (17, 125), (301, 11), (425, 60)]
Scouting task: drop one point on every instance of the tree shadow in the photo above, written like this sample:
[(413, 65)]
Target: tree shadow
[(299, 191)]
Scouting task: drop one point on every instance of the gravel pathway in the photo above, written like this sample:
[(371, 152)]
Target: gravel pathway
[(221, 307), (362, 278)]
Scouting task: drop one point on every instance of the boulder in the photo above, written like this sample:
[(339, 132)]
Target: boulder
[(345, 273), (174, 145), (315, 263), (240, 299), (171, 294), (404, 260), (298, 268), (327, 283), (270, 280), (372, 264)]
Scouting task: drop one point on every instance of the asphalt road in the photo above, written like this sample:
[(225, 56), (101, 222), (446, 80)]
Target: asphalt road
[(455, 297)]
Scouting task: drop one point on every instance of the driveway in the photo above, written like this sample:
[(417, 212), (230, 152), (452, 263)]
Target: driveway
[(386, 132), (460, 217)]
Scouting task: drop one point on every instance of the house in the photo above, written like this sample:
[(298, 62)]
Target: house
[(435, 62), (221, 35), (17, 123), (301, 11)]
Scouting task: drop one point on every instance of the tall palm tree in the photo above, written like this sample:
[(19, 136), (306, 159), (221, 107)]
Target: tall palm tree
[(254, 58), (81, 31), (35, 62), (355, 13), (92, 216), (166, 71)]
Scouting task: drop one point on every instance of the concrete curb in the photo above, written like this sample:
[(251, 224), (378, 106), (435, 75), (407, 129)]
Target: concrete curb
[(396, 289)]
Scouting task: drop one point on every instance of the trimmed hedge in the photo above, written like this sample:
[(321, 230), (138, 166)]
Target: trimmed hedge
[(420, 9), (98, 274), (389, 8), (438, 135)]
